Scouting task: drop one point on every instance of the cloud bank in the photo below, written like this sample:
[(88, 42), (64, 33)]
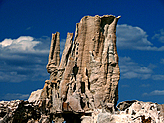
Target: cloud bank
[(129, 69), (24, 59), (135, 38), (24, 44), (14, 96), (154, 93)]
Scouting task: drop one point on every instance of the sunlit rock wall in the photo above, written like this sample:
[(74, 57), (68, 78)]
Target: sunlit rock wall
[(87, 76)]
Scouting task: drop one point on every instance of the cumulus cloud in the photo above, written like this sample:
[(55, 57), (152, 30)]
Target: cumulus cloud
[(129, 69), (154, 93), (24, 44), (135, 38), (24, 59), (14, 96)]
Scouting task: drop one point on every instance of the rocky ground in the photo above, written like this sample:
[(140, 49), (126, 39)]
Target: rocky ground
[(18, 111)]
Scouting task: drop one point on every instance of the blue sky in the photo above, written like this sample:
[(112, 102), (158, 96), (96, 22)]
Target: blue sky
[(25, 32)]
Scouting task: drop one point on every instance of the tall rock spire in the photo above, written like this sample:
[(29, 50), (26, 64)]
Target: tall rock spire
[(54, 56), (86, 78), (88, 74)]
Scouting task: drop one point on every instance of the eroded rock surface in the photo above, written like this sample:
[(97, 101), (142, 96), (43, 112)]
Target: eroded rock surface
[(88, 74), (134, 112), (86, 78), (19, 111), (83, 85)]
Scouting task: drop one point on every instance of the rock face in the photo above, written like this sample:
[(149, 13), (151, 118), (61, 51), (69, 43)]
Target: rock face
[(86, 78), (88, 74)]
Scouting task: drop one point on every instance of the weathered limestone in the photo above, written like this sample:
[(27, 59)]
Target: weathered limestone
[(54, 57), (86, 78), (88, 74), (35, 95), (18, 111), (134, 112)]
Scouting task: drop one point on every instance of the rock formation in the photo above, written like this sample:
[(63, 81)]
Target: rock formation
[(88, 74), (83, 85)]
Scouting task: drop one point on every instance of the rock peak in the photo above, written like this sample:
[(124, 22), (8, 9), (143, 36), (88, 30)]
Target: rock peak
[(87, 76)]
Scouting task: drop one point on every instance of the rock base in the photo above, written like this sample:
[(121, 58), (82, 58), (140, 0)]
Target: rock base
[(18, 111)]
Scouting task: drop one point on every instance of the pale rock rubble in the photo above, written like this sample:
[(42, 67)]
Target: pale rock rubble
[(18, 111), (134, 112)]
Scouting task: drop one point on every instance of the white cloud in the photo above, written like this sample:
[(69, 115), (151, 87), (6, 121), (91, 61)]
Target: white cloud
[(6, 42), (151, 48), (130, 69), (20, 73), (154, 93), (23, 43), (145, 85), (24, 59), (12, 77), (158, 77), (15, 96), (135, 38), (159, 36)]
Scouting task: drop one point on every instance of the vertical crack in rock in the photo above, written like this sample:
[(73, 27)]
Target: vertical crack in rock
[(87, 76)]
